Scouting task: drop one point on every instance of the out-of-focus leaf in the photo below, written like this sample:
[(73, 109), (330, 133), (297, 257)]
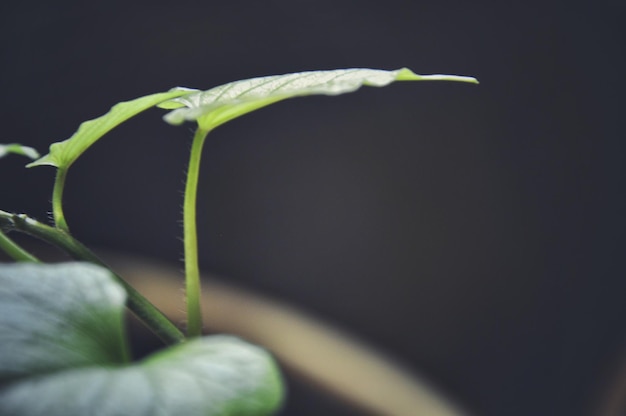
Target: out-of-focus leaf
[(208, 376), (18, 149), (63, 353), (54, 317)]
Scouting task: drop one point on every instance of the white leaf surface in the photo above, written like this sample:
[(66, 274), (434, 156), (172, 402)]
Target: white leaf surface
[(221, 104)]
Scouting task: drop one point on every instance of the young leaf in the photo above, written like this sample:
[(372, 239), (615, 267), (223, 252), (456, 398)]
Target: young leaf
[(18, 149), (221, 104), (63, 353), (63, 154)]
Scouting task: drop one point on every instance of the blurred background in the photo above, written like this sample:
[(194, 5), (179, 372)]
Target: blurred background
[(475, 234)]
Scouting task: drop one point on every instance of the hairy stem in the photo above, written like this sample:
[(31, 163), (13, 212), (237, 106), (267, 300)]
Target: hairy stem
[(57, 200), (192, 270), (16, 252), (137, 303)]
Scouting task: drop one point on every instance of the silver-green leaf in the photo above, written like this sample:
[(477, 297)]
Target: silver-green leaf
[(216, 375), (63, 353), (56, 317), (221, 104)]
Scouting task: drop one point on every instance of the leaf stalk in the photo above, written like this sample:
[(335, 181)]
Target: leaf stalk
[(57, 200), (192, 269)]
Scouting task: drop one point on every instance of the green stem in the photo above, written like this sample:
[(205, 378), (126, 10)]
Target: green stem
[(16, 252), (57, 200), (192, 270), (137, 303)]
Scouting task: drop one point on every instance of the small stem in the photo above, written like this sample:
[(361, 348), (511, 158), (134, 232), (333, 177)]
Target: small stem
[(16, 252), (57, 200), (137, 303), (192, 270)]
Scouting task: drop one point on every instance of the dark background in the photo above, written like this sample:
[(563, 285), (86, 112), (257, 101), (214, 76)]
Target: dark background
[(475, 233)]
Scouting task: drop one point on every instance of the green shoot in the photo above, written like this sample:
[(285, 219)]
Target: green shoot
[(219, 105), (211, 109)]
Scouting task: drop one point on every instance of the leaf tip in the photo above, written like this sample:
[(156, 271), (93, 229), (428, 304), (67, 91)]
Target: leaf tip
[(470, 80), (405, 74)]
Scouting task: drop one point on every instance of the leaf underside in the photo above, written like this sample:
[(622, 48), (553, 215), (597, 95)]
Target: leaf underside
[(221, 104)]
